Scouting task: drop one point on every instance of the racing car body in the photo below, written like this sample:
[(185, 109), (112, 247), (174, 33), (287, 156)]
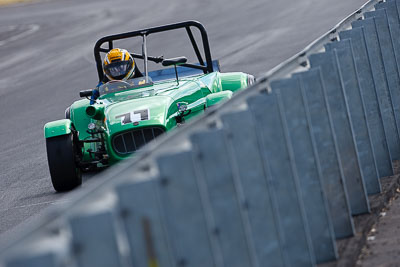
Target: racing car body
[(129, 114)]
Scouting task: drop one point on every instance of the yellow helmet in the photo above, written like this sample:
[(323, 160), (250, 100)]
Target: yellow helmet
[(118, 64)]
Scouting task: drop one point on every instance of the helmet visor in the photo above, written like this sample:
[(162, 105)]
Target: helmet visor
[(118, 70)]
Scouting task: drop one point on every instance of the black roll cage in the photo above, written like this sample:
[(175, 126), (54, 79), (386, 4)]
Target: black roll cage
[(206, 67)]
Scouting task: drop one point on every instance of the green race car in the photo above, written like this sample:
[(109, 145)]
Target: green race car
[(126, 115)]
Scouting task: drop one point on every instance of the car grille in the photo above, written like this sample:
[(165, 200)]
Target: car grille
[(129, 142)]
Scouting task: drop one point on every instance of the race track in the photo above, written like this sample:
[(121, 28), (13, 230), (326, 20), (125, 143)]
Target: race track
[(46, 58)]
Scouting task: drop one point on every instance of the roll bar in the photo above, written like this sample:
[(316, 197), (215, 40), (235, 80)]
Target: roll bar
[(206, 66)]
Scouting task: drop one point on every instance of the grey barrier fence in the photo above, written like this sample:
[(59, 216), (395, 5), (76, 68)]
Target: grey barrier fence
[(270, 178)]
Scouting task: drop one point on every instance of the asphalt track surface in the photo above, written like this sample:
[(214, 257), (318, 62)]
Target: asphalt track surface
[(46, 58)]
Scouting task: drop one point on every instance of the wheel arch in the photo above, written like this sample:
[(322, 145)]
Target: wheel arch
[(234, 81), (57, 128)]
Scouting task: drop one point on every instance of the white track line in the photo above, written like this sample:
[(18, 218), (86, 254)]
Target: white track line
[(32, 28)]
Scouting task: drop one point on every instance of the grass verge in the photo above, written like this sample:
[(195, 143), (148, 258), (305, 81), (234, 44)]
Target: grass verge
[(11, 2)]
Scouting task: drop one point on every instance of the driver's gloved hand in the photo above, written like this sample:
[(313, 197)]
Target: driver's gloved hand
[(95, 93)]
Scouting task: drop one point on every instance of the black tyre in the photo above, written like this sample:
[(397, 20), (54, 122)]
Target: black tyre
[(61, 155)]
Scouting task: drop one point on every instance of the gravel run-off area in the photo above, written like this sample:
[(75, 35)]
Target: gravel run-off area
[(377, 239)]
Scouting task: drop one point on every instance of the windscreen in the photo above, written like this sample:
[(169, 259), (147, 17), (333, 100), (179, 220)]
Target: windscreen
[(119, 86)]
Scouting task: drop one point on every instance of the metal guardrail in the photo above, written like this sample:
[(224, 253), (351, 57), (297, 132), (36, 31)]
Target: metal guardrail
[(269, 178)]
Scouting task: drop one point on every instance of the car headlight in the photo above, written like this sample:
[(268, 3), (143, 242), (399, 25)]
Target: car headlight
[(91, 126)]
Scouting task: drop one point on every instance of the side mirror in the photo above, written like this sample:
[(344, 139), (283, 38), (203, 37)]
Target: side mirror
[(85, 93), (174, 61)]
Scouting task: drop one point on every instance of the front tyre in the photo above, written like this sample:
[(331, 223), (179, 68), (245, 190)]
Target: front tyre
[(62, 155)]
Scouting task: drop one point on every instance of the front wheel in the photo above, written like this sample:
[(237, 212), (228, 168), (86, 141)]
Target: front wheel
[(62, 156)]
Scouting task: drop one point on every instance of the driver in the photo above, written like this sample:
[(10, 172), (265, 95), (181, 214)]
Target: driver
[(118, 64)]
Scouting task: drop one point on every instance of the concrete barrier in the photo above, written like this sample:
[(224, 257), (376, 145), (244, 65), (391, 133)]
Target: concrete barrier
[(343, 130), (327, 152), (358, 118), (371, 101), (381, 84)]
